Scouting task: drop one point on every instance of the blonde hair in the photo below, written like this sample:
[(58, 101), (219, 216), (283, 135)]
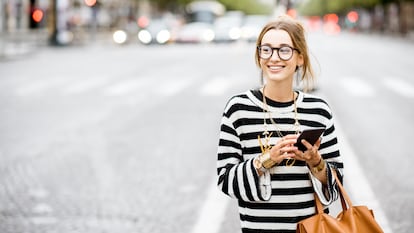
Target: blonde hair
[(297, 33)]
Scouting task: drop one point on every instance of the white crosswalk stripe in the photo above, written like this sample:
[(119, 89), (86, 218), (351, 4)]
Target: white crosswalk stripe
[(216, 86), (40, 86), (172, 87), (357, 87), (399, 86), (86, 85), (126, 87)]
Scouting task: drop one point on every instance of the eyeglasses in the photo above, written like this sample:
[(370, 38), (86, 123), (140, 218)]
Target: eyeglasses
[(285, 53)]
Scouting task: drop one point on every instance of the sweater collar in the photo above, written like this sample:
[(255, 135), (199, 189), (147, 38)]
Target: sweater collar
[(256, 96)]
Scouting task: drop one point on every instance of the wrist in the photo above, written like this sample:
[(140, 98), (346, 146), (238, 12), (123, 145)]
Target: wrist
[(320, 166), (263, 162), (267, 161)]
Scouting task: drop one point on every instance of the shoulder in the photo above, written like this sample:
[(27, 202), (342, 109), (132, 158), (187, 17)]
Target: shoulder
[(316, 104), (240, 101), (313, 98)]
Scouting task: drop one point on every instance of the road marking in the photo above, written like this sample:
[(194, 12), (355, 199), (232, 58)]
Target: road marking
[(357, 87), (126, 87), (173, 87), (399, 86), (357, 185), (42, 208), (212, 213), (40, 86), (216, 86), (43, 220), (85, 85)]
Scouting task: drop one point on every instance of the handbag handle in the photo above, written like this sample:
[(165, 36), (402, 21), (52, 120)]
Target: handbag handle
[(345, 200)]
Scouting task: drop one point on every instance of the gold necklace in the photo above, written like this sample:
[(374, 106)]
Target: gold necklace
[(266, 147)]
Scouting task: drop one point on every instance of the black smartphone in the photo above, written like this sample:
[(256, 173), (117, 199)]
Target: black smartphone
[(310, 135)]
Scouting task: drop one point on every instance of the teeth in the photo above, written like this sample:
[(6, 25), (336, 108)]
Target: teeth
[(275, 67)]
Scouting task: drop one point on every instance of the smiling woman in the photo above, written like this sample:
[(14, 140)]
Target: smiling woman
[(258, 162)]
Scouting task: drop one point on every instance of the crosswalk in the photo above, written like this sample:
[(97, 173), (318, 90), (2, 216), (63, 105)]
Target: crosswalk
[(212, 86), (400, 87), (361, 88), (85, 86), (357, 87)]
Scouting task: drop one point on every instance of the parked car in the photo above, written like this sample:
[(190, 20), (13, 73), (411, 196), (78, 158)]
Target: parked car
[(252, 26), (227, 29), (197, 32), (157, 32)]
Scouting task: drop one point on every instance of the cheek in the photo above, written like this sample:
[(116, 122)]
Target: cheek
[(262, 63)]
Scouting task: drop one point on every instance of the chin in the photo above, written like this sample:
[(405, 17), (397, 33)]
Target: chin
[(279, 78)]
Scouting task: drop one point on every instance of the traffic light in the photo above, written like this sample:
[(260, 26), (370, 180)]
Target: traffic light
[(352, 16), (352, 19), (36, 15)]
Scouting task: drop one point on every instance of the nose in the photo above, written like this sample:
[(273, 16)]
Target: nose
[(275, 56)]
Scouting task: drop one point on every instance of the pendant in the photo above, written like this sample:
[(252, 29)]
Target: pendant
[(265, 147), (290, 162)]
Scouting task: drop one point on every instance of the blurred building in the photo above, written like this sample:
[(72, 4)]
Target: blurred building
[(72, 19)]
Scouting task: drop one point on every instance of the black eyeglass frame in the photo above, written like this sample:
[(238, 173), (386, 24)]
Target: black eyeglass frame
[(277, 50)]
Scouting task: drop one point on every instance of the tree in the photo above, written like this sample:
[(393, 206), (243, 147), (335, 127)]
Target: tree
[(247, 6), (322, 7)]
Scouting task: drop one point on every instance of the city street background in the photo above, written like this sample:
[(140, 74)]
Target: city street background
[(108, 138)]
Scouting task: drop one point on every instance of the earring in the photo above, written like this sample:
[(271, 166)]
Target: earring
[(261, 78)]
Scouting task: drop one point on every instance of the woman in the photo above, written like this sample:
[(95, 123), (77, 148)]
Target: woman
[(258, 162)]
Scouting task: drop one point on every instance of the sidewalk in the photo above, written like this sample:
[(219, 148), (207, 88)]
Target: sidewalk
[(20, 43)]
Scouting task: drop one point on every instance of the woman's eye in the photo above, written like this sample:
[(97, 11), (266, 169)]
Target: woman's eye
[(266, 50)]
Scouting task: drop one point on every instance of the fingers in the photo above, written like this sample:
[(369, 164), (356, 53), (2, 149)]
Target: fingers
[(311, 152), (289, 139), (282, 154), (310, 146), (284, 148)]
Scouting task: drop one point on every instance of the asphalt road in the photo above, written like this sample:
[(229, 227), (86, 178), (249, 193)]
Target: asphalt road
[(123, 139)]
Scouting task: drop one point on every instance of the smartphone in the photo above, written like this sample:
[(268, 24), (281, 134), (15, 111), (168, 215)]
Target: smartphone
[(310, 135)]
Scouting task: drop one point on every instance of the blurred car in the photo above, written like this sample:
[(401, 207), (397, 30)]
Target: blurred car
[(157, 32), (227, 29), (197, 32), (252, 26), (125, 33)]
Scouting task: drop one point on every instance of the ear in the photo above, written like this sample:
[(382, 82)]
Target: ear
[(300, 60)]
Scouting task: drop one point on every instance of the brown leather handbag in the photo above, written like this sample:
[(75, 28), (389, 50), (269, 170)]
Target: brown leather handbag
[(352, 219)]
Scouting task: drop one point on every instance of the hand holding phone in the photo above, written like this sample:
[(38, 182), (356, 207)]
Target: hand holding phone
[(310, 135)]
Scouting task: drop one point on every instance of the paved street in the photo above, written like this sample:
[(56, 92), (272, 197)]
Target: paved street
[(123, 138)]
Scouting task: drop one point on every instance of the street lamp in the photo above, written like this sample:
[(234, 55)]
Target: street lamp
[(53, 40)]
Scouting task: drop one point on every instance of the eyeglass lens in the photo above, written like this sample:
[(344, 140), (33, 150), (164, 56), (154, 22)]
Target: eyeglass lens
[(284, 53)]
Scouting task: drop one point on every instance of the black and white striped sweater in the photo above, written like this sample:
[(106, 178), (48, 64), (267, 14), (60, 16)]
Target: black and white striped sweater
[(277, 200)]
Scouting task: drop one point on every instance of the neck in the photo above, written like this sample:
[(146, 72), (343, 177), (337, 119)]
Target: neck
[(279, 93)]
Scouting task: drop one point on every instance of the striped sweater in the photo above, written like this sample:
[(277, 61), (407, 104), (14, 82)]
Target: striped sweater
[(283, 195)]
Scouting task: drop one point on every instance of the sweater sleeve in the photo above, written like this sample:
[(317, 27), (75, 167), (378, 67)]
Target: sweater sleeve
[(237, 177), (329, 150)]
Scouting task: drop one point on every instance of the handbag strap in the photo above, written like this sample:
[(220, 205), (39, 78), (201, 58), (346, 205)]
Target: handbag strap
[(345, 200)]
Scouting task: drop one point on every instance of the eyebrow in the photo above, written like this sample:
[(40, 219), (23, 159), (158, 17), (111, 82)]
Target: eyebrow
[(280, 45)]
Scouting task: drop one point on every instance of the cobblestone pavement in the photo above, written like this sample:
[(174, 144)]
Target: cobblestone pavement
[(88, 184), (98, 179), (123, 139), (92, 163)]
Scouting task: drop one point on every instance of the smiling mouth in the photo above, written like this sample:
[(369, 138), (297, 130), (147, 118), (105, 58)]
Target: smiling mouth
[(275, 68)]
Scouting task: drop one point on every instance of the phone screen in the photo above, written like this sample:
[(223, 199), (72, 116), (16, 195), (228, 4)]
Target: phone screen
[(310, 135)]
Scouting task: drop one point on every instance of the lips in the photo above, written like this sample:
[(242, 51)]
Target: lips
[(275, 67)]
